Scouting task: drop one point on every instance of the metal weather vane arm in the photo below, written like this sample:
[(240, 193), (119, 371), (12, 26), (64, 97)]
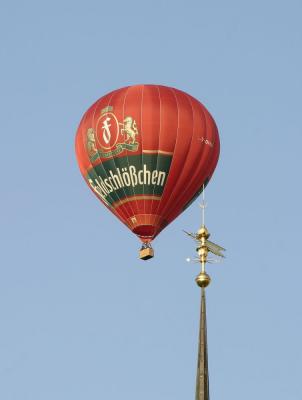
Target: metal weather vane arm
[(210, 246), (215, 248), (192, 235)]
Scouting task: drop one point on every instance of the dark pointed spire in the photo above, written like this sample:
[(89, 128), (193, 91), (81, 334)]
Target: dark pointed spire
[(202, 379)]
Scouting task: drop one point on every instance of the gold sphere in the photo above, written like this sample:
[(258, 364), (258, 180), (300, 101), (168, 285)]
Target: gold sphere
[(203, 280), (203, 232)]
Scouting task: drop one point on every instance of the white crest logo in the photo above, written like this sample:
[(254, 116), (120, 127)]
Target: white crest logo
[(111, 137), (106, 130)]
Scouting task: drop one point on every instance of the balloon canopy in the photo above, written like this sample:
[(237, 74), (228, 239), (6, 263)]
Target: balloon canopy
[(147, 151)]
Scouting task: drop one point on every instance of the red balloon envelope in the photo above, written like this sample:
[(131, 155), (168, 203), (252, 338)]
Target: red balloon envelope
[(146, 151)]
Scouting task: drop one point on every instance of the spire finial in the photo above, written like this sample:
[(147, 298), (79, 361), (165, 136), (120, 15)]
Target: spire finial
[(204, 246)]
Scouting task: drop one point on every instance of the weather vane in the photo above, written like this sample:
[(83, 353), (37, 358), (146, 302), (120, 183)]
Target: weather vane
[(204, 246)]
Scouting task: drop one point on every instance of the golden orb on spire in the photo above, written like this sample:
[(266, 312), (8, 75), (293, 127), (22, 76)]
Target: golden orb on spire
[(203, 280), (203, 232)]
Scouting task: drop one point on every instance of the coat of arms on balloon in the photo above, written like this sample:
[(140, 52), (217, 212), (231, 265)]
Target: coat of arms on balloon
[(111, 137)]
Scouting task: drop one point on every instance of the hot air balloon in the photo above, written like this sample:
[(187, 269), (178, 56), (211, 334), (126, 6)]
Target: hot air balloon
[(146, 152)]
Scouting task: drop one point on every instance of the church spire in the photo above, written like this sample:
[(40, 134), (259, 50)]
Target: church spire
[(202, 378), (204, 247)]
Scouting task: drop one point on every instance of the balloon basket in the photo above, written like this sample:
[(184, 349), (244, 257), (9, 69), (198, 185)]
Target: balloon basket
[(146, 253)]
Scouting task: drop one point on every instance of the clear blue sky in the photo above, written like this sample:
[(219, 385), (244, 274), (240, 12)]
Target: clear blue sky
[(81, 317)]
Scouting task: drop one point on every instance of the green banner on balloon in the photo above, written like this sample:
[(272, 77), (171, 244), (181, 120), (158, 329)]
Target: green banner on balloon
[(144, 174)]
